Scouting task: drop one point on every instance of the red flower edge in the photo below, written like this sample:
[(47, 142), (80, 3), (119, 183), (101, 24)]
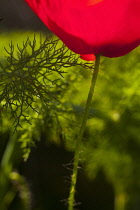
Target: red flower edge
[(90, 27)]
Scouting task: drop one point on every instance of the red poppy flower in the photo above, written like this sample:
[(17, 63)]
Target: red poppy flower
[(87, 27)]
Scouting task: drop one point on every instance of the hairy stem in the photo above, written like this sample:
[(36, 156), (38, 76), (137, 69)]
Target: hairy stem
[(82, 128)]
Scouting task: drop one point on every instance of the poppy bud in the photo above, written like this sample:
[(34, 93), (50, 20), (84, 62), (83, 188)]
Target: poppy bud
[(107, 27)]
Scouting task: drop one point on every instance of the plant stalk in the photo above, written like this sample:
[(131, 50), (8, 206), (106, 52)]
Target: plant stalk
[(81, 131)]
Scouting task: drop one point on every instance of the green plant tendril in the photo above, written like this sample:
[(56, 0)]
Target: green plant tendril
[(82, 128)]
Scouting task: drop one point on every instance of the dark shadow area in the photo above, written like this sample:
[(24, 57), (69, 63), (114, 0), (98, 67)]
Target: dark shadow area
[(16, 15), (48, 174)]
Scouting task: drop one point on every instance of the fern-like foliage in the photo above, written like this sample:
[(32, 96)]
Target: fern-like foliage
[(32, 72), (32, 85)]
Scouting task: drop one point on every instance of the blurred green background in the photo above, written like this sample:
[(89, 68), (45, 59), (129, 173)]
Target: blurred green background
[(109, 171)]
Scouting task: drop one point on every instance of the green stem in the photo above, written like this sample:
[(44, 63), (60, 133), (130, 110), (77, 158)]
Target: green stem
[(82, 128), (6, 159)]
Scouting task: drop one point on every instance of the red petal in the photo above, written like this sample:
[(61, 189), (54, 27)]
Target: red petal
[(107, 27), (88, 57)]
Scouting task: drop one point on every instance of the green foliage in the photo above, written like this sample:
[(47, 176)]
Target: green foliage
[(26, 76), (34, 100), (113, 131), (32, 86), (43, 88)]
